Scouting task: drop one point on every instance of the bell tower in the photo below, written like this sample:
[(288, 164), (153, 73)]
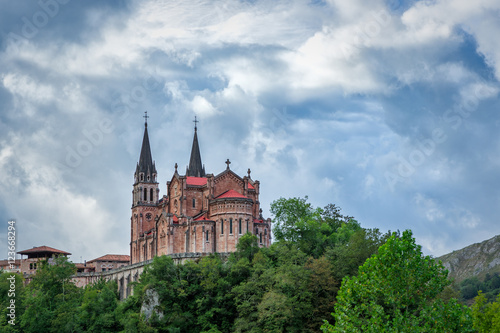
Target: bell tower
[(144, 202)]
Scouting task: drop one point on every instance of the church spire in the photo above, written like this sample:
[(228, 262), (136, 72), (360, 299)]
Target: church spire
[(195, 169), (146, 170)]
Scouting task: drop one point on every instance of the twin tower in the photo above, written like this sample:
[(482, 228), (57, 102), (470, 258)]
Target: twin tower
[(200, 214)]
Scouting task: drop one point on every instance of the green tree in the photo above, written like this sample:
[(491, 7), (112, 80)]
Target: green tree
[(395, 291), (486, 315), (353, 246), (11, 288), (97, 310), (51, 299), (311, 229)]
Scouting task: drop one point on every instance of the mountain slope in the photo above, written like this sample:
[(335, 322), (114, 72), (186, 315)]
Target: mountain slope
[(474, 260)]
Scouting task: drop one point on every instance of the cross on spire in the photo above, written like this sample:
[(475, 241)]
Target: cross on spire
[(195, 122), (146, 117), (228, 162)]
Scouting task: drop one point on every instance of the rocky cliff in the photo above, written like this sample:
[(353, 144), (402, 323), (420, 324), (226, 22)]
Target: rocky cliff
[(474, 260)]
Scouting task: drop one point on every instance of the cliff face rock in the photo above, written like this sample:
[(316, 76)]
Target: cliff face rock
[(474, 260)]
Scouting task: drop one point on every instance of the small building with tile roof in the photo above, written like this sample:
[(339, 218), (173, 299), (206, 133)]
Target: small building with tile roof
[(201, 212), (108, 262), (34, 255), (13, 266)]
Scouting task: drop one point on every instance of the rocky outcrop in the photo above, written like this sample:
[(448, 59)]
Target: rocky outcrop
[(474, 260), (151, 304)]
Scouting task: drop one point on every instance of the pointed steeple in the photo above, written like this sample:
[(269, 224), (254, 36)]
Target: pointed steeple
[(146, 170), (196, 168)]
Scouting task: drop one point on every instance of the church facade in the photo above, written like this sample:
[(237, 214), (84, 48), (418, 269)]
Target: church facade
[(201, 212)]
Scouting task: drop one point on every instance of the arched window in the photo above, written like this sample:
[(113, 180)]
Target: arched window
[(151, 194), (206, 235), (239, 227), (145, 194), (194, 203), (230, 226), (221, 226), (260, 237)]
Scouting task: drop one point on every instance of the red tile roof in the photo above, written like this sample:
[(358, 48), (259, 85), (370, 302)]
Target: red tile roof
[(231, 194), (201, 218), (175, 219), (42, 249), (112, 257), (7, 262), (250, 186), (197, 181)]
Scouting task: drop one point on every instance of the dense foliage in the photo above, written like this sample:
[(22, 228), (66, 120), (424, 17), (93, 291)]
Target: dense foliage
[(490, 287), (486, 315), (396, 291), (311, 270)]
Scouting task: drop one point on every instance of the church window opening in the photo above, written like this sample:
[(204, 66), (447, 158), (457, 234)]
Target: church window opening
[(145, 194), (247, 225), (206, 235), (148, 178), (194, 203), (151, 194), (260, 237), (221, 226), (230, 226), (142, 177), (239, 226)]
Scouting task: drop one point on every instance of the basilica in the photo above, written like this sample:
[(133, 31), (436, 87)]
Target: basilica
[(201, 213)]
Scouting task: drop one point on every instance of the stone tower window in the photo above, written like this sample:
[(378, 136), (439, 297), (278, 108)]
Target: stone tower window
[(194, 203), (260, 237), (145, 194), (230, 226), (239, 226), (151, 194), (206, 235), (221, 226), (247, 225), (142, 177)]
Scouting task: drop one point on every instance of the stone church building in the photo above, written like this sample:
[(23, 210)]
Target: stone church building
[(201, 212)]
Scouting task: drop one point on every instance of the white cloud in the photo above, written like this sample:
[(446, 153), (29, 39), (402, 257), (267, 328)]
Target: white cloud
[(203, 107)]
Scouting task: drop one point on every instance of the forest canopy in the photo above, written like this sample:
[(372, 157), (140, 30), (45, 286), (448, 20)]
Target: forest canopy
[(323, 271)]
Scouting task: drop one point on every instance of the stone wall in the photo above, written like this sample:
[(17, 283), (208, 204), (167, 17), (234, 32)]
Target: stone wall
[(127, 274)]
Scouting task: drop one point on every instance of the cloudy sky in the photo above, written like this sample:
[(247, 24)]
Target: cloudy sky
[(389, 109)]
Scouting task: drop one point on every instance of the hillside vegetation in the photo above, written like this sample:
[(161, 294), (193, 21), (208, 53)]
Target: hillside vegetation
[(324, 271)]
